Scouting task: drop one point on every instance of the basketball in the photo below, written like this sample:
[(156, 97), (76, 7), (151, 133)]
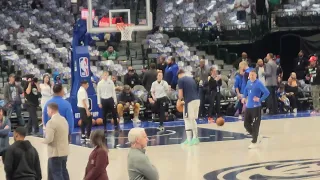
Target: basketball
[(220, 121), (99, 121), (179, 106), (79, 122), (93, 122)]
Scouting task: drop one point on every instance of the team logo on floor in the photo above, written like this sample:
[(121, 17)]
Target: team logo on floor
[(290, 169)]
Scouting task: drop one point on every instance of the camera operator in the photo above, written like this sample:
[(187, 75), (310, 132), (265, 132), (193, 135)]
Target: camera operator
[(32, 91)]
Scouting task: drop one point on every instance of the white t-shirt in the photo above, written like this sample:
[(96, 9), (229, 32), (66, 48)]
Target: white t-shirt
[(159, 89), (261, 76), (81, 95)]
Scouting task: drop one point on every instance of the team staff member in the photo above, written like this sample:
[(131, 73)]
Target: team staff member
[(107, 99), (85, 115), (255, 92), (170, 74), (65, 108), (159, 90), (237, 87), (32, 91), (214, 83), (188, 95)]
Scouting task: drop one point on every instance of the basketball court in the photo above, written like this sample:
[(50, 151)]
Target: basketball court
[(289, 150)]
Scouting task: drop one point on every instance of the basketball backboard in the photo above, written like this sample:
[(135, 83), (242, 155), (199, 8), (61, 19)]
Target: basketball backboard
[(111, 12)]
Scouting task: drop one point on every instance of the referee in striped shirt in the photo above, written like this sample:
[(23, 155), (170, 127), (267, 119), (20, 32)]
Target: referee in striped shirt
[(159, 90), (107, 99)]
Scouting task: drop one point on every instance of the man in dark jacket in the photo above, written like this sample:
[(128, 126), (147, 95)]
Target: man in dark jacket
[(131, 78), (128, 102), (149, 77), (171, 73), (162, 64), (22, 159), (12, 92), (301, 63)]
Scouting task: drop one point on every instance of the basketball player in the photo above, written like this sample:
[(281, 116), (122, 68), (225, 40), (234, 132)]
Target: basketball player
[(188, 95), (107, 99), (254, 93), (85, 114)]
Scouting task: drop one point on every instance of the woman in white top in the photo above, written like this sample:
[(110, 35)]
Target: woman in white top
[(260, 71), (46, 90)]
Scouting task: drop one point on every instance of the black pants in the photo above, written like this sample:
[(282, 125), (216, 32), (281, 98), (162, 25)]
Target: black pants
[(33, 118), (214, 108), (293, 101), (108, 106), (252, 119), (272, 100), (202, 95), (161, 105), (86, 122)]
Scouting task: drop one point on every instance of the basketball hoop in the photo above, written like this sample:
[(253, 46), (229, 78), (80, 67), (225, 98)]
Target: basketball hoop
[(126, 31)]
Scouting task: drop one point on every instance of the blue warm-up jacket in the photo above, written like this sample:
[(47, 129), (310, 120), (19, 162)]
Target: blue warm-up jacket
[(255, 89), (171, 74)]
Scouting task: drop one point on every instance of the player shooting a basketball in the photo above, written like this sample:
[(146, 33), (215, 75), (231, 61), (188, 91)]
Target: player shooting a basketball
[(254, 93), (188, 96)]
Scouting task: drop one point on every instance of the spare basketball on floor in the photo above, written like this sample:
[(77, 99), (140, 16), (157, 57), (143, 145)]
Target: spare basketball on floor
[(93, 122), (79, 122), (220, 121), (179, 106), (99, 121)]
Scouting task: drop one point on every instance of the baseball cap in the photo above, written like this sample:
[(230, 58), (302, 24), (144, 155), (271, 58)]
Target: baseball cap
[(313, 58)]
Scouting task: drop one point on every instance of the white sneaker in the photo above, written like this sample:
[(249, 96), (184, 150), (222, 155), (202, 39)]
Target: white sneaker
[(240, 117), (295, 110), (136, 120), (253, 146), (121, 120), (259, 139)]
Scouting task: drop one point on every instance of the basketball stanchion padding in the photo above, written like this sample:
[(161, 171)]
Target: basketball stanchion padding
[(126, 31)]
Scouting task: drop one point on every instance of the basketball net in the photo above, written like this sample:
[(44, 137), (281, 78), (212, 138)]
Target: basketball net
[(126, 31)]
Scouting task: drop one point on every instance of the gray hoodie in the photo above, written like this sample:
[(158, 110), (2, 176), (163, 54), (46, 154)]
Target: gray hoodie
[(12, 90)]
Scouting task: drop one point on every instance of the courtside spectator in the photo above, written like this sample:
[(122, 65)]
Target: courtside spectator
[(171, 72), (291, 88), (313, 76), (260, 71), (128, 102), (244, 57), (118, 84), (58, 144), (12, 92), (131, 78), (149, 77), (22, 160), (271, 83), (139, 165), (5, 128), (161, 66), (301, 63), (98, 159), (110, 54), (201, 77)]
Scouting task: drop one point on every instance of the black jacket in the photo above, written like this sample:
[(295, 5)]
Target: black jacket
[(131, 80), (127, 98), (213, 85), (149, 77), (22, 162)]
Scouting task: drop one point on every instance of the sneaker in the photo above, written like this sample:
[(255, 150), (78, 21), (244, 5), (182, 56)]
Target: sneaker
[(121, 120), (259, 139), (253, 146), (186, 142), (160, 128), (240, 117), (136, 120), (83, 138), (295, 110), (194, 141)]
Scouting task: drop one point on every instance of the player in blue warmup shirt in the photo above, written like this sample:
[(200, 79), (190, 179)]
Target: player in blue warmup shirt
[(65, 108), (255, 92), (188, 94)]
